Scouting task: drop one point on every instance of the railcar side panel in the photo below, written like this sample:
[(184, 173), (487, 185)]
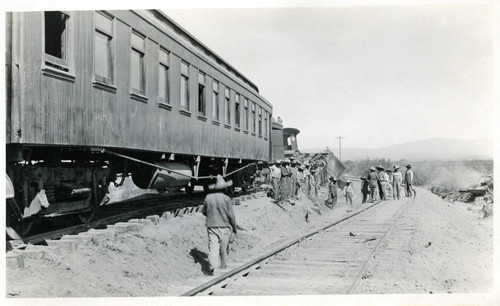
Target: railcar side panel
[(70, 109)]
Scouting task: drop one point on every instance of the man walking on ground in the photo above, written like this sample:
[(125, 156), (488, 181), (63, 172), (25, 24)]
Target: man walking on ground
[(220, 222), (373, 180), (348, 193), (409, 180), (397, 179)]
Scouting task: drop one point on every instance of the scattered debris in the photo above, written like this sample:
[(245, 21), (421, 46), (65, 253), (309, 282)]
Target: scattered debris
[(367, 239), (307, 216), (480, 195)]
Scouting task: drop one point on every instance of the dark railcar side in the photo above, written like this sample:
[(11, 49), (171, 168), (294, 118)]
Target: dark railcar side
[(62, 112)]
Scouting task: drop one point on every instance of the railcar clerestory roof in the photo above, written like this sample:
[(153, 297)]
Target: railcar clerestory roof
[(171, 25)]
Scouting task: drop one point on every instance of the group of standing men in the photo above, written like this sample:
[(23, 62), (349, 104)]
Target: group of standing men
[(386, 183), (290, 178)]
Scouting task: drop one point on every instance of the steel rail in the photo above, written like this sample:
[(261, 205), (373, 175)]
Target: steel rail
[(376, 248), (243, 267), (38, 238)]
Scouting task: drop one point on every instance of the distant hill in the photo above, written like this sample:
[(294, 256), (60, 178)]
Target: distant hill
[(434, 148)]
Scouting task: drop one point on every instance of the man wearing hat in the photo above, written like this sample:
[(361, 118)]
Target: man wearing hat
[(294, 178), (332, 192), (220, 222), (285, 183), (397, 179), (373, 180), (348, 193), (275, 178), (408, 180), (365, 189), (382, 178)]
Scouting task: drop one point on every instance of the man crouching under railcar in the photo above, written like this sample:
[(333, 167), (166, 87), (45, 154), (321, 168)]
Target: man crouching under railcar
[(218, 209)]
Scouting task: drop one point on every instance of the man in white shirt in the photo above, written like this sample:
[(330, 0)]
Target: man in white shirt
[(275, 178), (409, 180)]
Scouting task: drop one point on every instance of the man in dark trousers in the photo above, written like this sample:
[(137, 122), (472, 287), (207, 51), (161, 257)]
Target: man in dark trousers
[(373, 180), (332, 192), (365, 189), (220, 222)]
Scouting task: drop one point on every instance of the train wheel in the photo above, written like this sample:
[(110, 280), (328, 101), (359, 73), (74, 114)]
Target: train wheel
[(87, 216), (17, 229)]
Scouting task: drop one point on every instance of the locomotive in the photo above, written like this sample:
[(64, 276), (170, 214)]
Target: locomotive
[(96, 96)]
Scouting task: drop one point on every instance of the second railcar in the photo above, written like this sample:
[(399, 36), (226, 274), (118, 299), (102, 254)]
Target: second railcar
[(95, 94)]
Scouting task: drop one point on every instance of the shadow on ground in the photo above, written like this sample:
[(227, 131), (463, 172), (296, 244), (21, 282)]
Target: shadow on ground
[(201, 258)]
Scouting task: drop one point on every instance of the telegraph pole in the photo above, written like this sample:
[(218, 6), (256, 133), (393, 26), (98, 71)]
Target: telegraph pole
[(340, 147)]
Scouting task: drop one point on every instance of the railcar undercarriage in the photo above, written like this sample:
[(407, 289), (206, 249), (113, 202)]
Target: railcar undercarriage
[(54, 181)]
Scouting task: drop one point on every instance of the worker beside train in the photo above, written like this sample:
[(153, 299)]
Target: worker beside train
[(294, 178), (373, 180), (388, 185), (275, 178), (285, 186), (348, 193), (332, 192), (301, 181), (408, 180), (365, 189), (382, 182), (220, 222), (397, 179)]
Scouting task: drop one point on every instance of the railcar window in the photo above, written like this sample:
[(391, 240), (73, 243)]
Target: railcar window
[(56, 39), (201, 94), (103, 48), (227, 117), (245, 115), (185, 86), (260, 121), (215, 100), (137, 69), (237, 110), (254, 118), (163, 78), (265, 123)]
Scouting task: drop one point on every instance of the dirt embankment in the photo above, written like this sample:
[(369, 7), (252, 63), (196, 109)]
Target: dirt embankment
[(169, 258)]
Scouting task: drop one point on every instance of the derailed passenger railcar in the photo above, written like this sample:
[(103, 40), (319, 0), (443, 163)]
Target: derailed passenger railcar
[(95, 94)]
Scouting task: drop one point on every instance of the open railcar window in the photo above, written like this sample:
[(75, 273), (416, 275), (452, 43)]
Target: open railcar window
[(227, 99), (201, 94), (184, 86), (56, 39)]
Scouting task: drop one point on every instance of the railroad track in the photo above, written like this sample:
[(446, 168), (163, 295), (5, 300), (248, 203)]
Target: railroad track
[(110, 214), (122, 211), (329, 260)]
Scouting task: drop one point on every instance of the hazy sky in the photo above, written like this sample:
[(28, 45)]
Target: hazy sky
[(377, 75)]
